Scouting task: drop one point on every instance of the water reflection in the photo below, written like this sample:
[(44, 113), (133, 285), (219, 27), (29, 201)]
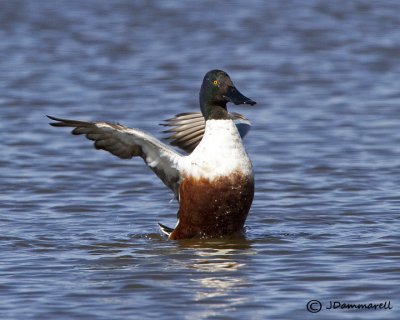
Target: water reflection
[(217, 259), (214, 255), (220, 278)]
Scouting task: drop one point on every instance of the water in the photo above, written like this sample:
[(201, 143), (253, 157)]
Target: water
[(78, 230)]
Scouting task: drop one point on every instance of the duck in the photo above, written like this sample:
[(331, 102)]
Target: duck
[(214, 181)]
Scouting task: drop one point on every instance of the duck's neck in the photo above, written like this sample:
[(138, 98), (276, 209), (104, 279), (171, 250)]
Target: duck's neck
[(214, 110)]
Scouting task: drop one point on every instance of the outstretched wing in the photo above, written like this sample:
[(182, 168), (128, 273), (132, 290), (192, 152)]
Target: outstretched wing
[(187, 129), (126, 143)]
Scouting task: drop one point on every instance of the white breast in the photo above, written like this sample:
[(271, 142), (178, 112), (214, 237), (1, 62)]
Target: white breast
[(219, 153)]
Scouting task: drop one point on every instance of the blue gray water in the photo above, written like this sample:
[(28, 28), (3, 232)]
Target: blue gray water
[(78, 234)]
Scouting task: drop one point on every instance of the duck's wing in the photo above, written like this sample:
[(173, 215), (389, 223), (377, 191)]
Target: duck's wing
[(242, 123), (126, 143), (187, 129)]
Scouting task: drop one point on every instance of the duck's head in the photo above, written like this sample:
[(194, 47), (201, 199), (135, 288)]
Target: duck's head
[(216, 91)]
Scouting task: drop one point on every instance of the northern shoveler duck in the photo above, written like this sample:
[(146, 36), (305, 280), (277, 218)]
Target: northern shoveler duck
[(214, 184)]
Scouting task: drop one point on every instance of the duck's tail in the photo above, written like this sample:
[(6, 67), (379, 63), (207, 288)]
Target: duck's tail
[(166, 230)]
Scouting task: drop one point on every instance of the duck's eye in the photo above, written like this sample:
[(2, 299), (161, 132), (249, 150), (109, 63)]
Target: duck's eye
[(215, 82)]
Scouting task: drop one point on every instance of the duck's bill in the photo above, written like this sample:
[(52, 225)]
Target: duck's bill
[(234, 96)]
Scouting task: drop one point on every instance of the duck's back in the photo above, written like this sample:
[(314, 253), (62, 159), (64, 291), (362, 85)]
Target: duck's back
[(217, 184)]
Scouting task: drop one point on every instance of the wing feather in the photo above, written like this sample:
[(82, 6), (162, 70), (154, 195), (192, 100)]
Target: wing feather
[(187, 129)]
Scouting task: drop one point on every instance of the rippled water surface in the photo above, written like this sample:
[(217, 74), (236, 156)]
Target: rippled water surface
[(78, 231)]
